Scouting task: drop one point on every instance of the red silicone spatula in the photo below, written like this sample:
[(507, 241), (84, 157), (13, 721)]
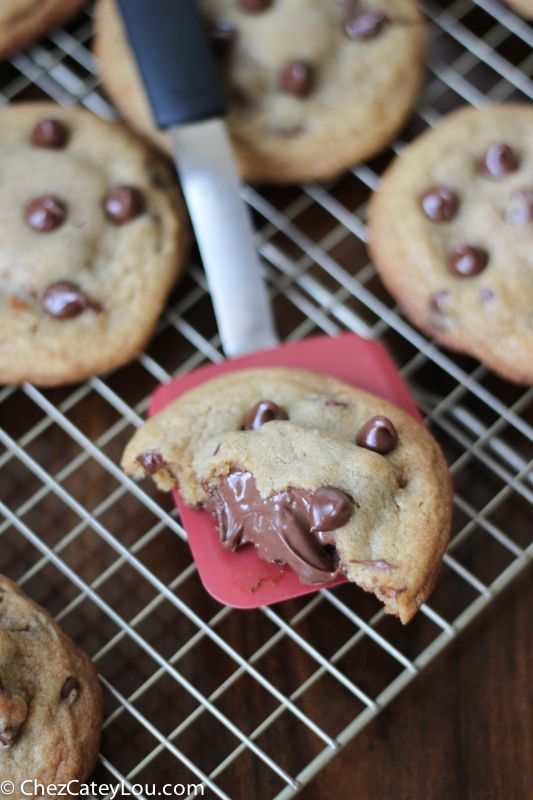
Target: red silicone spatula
[(187, 100)]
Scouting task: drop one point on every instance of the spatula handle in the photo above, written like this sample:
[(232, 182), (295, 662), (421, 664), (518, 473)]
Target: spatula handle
[(163, 34)]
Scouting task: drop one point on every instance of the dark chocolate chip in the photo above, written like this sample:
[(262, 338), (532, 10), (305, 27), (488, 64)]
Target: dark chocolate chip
[(70, 689), (264, 411), (438, 300), (254, 6), (297, 78), (499, 160), (520, 209), (467, 261), (365, 25), (64, 300), (378, 434), (330, 509), (50, 133), (440, 203), (222, 35), (151, 461), (45, 213), (123, 203)]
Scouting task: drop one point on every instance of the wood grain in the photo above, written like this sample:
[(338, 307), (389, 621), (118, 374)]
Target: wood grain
[(462, 731)]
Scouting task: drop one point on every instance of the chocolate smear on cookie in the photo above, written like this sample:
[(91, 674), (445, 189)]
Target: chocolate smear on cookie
[(291, 527)]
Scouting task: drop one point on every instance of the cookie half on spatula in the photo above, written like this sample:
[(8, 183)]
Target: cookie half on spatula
[(316, 474)]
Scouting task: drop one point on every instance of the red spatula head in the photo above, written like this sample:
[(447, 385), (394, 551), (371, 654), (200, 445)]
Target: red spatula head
[(242, 579)]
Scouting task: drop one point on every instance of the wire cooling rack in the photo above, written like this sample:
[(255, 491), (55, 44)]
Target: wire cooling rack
[(255, 703)]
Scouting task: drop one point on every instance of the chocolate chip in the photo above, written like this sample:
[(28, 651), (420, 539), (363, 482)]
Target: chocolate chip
[(64, 300), (330, 509), (297, 78), (437, 301), (467, 261), (486, 294), (151, 461), (123, 203), (440, 203), (254, 6), (499, 160), (378, 434), (45, 213), (50, 133), (520, 209), (262, 412), (365, 25), (70, 689), (222, 35)]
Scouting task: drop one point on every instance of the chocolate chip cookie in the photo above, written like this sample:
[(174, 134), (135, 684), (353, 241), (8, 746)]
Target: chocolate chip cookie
[(22, 21), (314, 86), (315, 473), (50, 698), (92, 240), (451, 233)]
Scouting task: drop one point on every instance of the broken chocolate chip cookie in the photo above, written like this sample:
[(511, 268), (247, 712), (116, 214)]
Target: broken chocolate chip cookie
[(314, 473)]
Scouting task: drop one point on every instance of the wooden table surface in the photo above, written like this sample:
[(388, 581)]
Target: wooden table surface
[(462, 731)]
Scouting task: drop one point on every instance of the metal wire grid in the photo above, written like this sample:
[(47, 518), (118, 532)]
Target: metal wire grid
[(107, 556)]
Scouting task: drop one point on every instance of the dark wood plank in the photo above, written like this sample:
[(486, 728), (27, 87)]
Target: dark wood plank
[(462, 731)]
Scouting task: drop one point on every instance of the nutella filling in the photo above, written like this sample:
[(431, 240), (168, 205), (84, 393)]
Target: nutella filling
[(291, 527)]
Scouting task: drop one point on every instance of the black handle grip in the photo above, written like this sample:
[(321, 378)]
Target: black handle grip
[(175, 60)]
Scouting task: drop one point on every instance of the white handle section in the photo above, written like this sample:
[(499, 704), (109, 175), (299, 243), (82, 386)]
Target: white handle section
[(225, 237)]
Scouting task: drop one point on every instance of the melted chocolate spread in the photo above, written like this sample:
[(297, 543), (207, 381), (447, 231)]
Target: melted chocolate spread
[(291, 527)]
